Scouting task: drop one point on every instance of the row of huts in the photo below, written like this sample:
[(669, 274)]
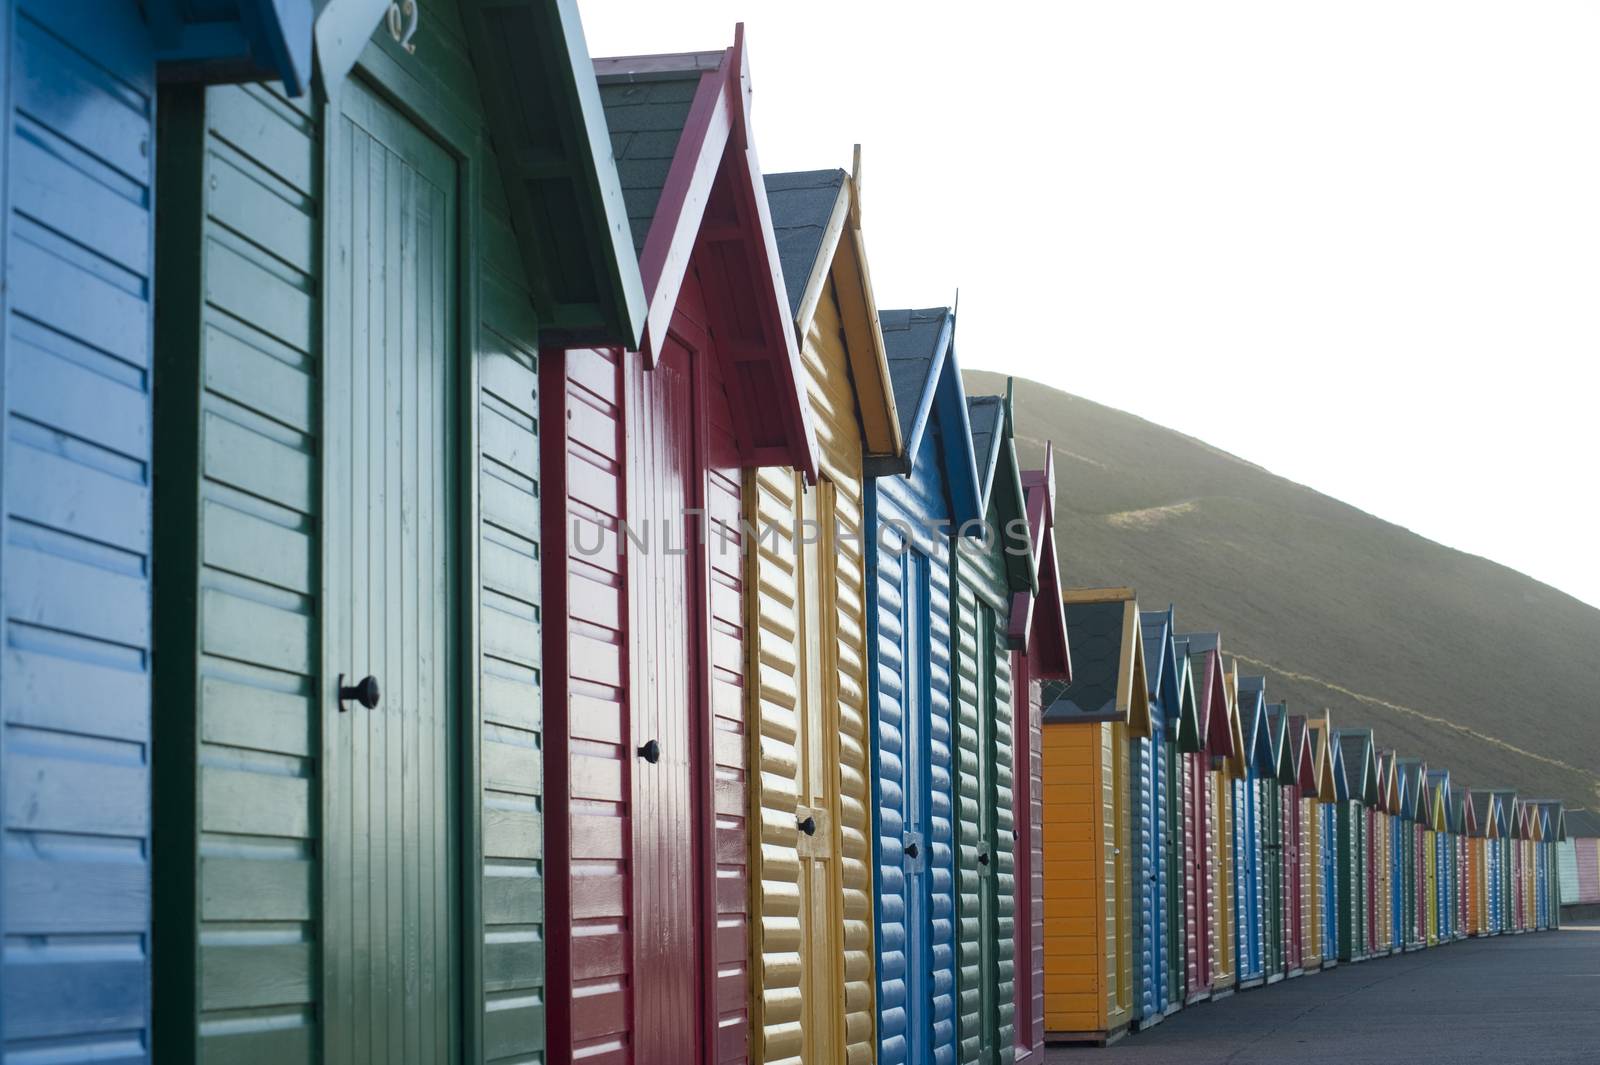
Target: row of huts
[(484, 581), (1201, 839)]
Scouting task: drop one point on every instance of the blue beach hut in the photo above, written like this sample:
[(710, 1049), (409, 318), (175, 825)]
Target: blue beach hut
[(1153, 833), (76, 358), (1250, 921), (911, 503)]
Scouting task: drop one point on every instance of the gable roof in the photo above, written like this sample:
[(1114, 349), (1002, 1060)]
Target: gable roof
[(1582, 822), (1278, 731), (1356, 750), (1482, 804), (543, 110), (1108, 677), (685, 152), (1253, 725), (1553, 820), (1343, 792), (1439, 799), (1305, 770), (1038, 621), (1187, 734), (816, 221), (1317, 736), (1211, 698), (1387, 798), (929, 394), (1000, 486), (1161, 660)]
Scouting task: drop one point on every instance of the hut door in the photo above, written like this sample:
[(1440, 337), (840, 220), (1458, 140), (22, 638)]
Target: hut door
[(1173, 883), (988, 848), (918, 697), (816, 816), (391, 790), (667, 618)]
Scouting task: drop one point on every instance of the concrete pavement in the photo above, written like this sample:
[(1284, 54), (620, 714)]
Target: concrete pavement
[(1498, 1001)]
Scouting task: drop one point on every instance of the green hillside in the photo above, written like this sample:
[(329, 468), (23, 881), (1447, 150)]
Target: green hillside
[(1445, 655)]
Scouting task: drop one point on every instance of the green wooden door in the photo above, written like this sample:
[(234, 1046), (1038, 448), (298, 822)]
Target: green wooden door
[(392, 879), (988, 845)]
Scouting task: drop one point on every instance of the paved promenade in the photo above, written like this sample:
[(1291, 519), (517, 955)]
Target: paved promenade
[(1499, 1001)]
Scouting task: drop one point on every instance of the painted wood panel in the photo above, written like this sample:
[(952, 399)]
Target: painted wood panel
[(812, 933), (648, 939), (1028, 972), (275, 948), (909, 582), (75, 528)]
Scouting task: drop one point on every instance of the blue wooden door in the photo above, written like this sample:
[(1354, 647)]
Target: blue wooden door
[(1144, 850), (914, 844), (75, 528)]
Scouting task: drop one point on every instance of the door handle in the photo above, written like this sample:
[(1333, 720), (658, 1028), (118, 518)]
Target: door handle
[(651, 752), (808, 826), (983, 859), (365, 691), (912, 850)]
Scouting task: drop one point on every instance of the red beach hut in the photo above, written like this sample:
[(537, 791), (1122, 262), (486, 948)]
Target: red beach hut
[(644, 456), (1038, 627)]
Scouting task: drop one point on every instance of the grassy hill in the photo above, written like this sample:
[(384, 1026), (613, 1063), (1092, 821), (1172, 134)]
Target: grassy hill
[(1445, 655)]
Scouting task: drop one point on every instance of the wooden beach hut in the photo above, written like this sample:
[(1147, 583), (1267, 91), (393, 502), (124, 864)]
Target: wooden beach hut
[(1468, 893), (355, 289), (989, 567), (1088, 964), (1354, 840), (812, 983), (1274, 847), (1503, 867), (1382, 836), (1213, 880), (1038, 629), (1395, 851), (646, 456), (1482, 910), (1318, 795), (1412, 776), (1251, 921), (1227, 766), (1444, 843), (1158, 914), (1330, 784), (80, 352), (1213, 739), (1301, 899), (911, 503)]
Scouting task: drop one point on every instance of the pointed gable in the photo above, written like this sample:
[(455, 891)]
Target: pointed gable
[(1253, 725), (1000, 496), (1305, 770), (1204, 650), (1320, 735), (1038, 621), (1161, 661), (1439, 799), (1188, 724), (680, 133), (930, 402), (816, 221), (1356, 751), (1109, 680), (1278, 731), (1235, 762)]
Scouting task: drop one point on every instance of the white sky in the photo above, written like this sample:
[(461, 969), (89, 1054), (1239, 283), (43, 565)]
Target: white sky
[(1355, 243)]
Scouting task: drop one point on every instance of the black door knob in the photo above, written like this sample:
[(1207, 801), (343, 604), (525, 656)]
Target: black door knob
[(365, 691), (808, 826), (983, 859), (912, 850), (651, 752)]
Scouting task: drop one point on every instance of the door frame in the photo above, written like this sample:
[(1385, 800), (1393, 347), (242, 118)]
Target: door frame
[(384, 76)]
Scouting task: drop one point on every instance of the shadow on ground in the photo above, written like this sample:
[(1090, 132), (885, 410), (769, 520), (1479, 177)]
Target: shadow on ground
[(1497, 1001)]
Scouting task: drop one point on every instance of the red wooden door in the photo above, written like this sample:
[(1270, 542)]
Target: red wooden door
[(1372, 881), (644, 673)]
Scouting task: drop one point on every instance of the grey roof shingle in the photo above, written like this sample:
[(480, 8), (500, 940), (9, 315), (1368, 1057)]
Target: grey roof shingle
[(1094, 632), (645, 116), (984, 414), (1582, 822), (909, 341), (801, 204)]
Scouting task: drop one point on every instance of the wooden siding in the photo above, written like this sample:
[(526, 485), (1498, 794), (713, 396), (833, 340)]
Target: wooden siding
[(1223, 974), (811, 933), (1078, 939), (75, 532), (648, 914), (915, 913), (239, 797), (248, 403), (1029, 888), (982, 790)]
